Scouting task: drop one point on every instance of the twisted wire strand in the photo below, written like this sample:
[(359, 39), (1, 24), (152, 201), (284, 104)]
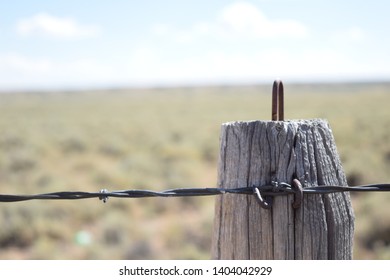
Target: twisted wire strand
[(266, 190)]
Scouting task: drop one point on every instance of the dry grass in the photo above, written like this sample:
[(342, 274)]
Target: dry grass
[(160, 139)]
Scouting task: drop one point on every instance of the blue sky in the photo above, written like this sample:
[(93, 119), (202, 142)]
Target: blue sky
[(91, 44)]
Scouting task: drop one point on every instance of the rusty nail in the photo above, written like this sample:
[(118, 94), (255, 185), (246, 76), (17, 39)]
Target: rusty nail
[(298, 193), (277, 101)]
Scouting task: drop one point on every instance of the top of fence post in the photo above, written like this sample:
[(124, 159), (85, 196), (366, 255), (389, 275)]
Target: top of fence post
[(256, 153)]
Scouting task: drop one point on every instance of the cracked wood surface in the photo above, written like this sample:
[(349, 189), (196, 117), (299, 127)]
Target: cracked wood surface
[(254, 153)]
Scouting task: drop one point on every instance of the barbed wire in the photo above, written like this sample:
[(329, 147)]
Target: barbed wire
[(274, 189)]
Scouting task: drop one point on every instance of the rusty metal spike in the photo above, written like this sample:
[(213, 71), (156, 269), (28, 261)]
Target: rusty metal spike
[(278, 101)]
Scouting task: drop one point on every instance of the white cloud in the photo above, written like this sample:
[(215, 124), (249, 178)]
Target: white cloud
[(265, 65), (48, 25), (239, 20), (351, 34), (24, 72), (246, 19)]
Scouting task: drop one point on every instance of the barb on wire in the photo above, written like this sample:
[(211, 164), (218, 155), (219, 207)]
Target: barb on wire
[(266, 190)]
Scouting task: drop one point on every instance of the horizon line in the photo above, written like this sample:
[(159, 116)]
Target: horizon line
[(190, 85)]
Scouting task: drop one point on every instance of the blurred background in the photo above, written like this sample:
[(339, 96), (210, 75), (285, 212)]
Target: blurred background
[(131, 95)]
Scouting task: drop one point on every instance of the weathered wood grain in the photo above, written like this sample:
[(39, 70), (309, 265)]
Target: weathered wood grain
[(255, 153)]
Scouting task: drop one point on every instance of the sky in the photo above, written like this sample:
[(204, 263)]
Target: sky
[(78, 44)]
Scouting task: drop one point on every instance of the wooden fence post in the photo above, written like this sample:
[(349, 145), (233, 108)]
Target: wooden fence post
[(255, 153)]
